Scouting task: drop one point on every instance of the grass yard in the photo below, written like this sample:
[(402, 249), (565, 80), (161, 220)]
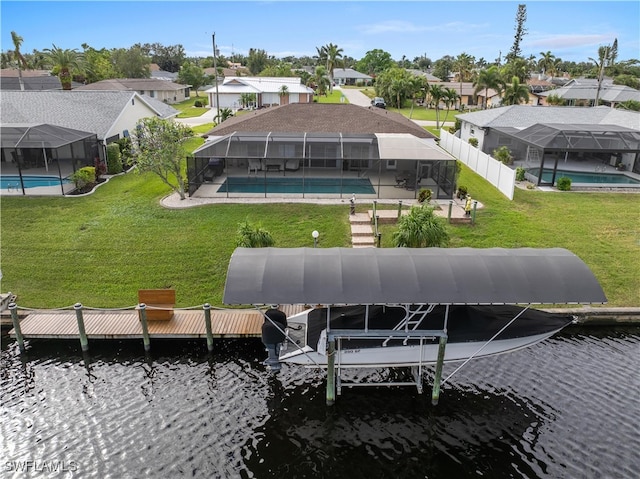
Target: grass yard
[(187, 110)]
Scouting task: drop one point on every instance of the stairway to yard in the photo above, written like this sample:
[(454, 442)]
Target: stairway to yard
[(362, 234)]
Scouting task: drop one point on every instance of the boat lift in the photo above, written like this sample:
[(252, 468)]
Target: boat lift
[(329, 277)]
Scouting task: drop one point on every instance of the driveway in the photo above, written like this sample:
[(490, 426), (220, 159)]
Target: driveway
[(206, 117)]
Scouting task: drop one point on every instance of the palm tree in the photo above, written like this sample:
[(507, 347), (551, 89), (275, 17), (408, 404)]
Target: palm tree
[(437, 93), (489, 78), (284, 91), (464, 64), (223, 114), (333, 57), (606, 57), (321, 79), (450, 99), (247, 99), (546, 61), (63, 60), (17, 43), (421, 228), (515, 93)]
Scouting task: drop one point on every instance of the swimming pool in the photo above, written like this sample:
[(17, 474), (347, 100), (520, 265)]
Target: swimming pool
[(584, 177), (10, 182), (360, 186)]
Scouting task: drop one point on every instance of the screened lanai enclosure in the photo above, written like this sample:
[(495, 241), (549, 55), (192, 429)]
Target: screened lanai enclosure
[(38, 159), (548, 151), (320, 165)]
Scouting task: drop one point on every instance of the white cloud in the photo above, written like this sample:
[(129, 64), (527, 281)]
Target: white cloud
[(399, 26), (559, 42)]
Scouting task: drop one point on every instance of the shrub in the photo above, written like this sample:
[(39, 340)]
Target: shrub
[(564, 183), (473, 142), (250, 236), (421, 228), (114, 162), (462, 191), (126, 152), (83, 176), (424, 195), (197, 104), (520, 171), (503, 154)]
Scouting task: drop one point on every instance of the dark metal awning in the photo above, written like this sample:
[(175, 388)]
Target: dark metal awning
[(330, 276)]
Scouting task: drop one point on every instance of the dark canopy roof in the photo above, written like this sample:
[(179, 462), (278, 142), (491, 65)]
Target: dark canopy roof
[(409, 275), (576, 137), (40, 136)]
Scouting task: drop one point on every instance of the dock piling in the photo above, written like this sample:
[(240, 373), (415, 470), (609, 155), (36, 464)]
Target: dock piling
[(435, 395), (331, 374), (84, 342), (142, 311), (13, 307), (207, 323)]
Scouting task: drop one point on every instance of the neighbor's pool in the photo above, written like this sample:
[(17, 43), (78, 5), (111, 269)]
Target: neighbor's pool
[(361, 186), (583, 177), (8, 182)]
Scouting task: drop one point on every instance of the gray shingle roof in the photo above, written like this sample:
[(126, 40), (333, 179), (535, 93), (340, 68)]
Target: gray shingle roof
[(609, 93), (133, 84), (523, 116), (93, 111), (320, 118)]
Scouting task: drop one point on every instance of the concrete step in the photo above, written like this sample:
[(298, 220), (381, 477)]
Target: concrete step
[(363, 241), (386, 216), (360, 219), (361, 230), (364, 246)]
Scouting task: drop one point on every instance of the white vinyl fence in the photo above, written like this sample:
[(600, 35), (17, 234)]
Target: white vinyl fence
[(492, 170)]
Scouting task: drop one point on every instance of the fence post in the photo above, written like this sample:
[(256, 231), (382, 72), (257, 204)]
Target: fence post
[(84, 343), (473, 215), (399, 209), (450, 208), (13, 307), (207, 323), (142, 312)]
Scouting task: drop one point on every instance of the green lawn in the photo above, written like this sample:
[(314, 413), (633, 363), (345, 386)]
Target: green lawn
[(99, 250), (187, 110)]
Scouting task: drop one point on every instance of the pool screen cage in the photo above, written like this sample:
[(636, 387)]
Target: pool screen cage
[(320, 164), (46, 150)]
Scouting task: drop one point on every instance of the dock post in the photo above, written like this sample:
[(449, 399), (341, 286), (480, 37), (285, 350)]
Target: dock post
[(84, 343), (449, 214), (207, 323), (331, 373), (13, 307), (473, 213), (142, 312), (435, 395)]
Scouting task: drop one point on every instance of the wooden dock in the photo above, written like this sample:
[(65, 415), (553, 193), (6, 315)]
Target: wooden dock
[(186, 324)]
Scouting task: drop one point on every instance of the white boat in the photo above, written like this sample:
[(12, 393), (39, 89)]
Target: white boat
[(398, 336)]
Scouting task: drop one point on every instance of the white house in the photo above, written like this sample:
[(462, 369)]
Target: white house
[(268, 91)]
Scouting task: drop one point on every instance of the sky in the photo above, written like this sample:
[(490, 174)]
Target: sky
[(571, 30)]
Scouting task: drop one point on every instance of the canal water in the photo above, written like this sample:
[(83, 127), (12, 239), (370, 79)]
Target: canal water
[(566, 408)]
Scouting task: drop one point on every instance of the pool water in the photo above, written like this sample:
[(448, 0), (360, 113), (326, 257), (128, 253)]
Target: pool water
[(13, 181), (297, 185), (584, 177)]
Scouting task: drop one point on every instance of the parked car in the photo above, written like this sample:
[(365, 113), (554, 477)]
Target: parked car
[(379, 102)]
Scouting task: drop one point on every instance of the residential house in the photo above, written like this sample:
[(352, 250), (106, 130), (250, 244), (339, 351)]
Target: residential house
[(165, 91), (468, 98), (268, 91), (158, 74), (346, 148), (32, 80), (589, 138), (583, 92), (349, 76)]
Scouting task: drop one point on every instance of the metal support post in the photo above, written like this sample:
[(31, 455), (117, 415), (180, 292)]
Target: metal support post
[(207, 323), (13, 307), (399, 209), (435, 395), (473, 213), (450, 208), (84, 343), (379, 240), (142, 312), (331, 373)]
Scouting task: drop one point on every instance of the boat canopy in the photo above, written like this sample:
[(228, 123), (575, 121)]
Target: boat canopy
[(337, 276)]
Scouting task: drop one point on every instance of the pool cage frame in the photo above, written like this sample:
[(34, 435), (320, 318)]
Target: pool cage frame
[(334, 160), (47, 150)]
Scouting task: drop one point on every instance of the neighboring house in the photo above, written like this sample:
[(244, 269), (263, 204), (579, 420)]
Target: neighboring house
[(419, 73), (267, 91), (158, 74), (165, 91), (468, 97), (335, 143), (108, 114), (33, 80), (349, 76), (583, 91), (535, 134)]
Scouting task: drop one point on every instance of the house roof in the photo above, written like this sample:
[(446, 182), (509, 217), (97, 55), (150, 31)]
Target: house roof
[(421, 73), (350, 73), (133, 84), (320, 118), (93, 111), (240, 85), (524, 116), (608, 92)]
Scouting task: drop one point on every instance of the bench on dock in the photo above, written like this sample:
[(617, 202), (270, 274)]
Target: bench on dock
[(162, 299)]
